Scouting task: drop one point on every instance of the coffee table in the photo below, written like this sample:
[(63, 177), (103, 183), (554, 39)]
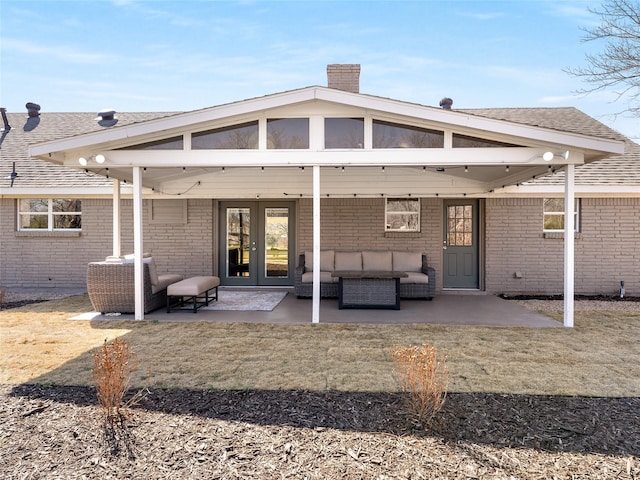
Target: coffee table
[(369, 289)]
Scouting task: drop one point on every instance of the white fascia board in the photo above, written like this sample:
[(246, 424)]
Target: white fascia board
[(174, 122), (468, 121), (593, 191), (358, 157)]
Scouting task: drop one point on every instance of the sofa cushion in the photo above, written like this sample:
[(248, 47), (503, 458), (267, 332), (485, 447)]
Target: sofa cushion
[(348, 261), (325, 277), (326, 261), (153, 271), (415, 277), (407, 261), (377, 261)]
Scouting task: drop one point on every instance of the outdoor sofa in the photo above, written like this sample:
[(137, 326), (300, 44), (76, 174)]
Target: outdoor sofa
[(420, 281), (111, 287)]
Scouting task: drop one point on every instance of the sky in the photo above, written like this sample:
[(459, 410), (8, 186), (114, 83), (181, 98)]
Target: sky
[(161, 55)]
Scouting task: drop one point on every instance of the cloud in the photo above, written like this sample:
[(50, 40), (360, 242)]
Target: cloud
[(482, 16), (58, 52)]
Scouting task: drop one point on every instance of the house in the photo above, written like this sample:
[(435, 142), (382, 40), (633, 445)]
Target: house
[(239, 190)]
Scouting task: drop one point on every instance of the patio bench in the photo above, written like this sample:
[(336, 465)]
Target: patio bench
[(195, 290)]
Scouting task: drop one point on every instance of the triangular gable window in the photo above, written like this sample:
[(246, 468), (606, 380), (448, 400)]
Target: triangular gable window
[(465, 141), (174, 143)]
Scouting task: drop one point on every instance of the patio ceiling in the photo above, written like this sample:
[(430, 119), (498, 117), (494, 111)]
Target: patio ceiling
[(294, 182)]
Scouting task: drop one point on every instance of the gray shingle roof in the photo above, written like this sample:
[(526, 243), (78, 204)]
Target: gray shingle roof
[(614, 170), (53, 126)]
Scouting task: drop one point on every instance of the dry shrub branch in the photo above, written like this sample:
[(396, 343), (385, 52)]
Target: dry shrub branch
[(113, 367), (422, 374)]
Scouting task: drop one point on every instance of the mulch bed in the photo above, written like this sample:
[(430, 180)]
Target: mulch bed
[(58, 432), (599, 298), (19, 303)]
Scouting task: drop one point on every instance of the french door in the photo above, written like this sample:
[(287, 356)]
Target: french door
[(460, 244), (257, 243)]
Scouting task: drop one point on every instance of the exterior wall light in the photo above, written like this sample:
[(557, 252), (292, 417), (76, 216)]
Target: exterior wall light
[(548, 156), (84, 161)]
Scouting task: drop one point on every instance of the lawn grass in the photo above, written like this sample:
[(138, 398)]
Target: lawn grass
[(599, 357)]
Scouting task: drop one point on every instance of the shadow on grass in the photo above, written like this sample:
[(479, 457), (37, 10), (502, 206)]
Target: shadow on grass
[(551, 423)]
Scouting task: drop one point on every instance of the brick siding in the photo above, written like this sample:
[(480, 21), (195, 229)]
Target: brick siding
[(55, 261), (607, 248)]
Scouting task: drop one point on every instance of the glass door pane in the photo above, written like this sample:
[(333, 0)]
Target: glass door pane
[(238, 242), (276, 242)]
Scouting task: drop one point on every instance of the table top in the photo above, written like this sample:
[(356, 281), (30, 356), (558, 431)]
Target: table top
[(368, 274)]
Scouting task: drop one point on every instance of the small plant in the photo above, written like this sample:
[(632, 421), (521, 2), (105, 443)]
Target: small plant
[(423, 375), (113, 366)]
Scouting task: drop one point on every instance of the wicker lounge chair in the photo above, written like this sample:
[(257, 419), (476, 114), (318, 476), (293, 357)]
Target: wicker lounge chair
[(111, 287)]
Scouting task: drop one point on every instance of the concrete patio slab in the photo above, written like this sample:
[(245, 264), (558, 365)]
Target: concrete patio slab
[(445, 309)]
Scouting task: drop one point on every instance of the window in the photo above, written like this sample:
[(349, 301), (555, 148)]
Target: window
[(460, 225), (394, 135), (553, 215), (288, 133), (234, 137), (173, 143), (49, 214), (402, 215), (465, 141), (343, 132)]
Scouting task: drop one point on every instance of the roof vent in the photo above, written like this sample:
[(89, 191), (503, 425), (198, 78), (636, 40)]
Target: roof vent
[(107, 117), (446, 103), (5, 120), (33, 109)]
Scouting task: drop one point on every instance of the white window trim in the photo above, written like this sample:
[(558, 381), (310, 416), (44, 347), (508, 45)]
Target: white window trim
[(50, 215), (576, 215), (386, 215)]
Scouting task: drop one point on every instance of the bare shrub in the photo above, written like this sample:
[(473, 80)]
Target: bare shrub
[(1, 296), (422, 374), (113, 367)]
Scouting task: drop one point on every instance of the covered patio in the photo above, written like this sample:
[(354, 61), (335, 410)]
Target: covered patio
[(445, 309), (162, 159)]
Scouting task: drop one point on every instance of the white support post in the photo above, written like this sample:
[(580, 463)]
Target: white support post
[(569, 248), (137, 243), (117, 248), (315, 316)]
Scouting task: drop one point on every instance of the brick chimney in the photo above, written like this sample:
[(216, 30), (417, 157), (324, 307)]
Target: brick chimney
[(344, 76)]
